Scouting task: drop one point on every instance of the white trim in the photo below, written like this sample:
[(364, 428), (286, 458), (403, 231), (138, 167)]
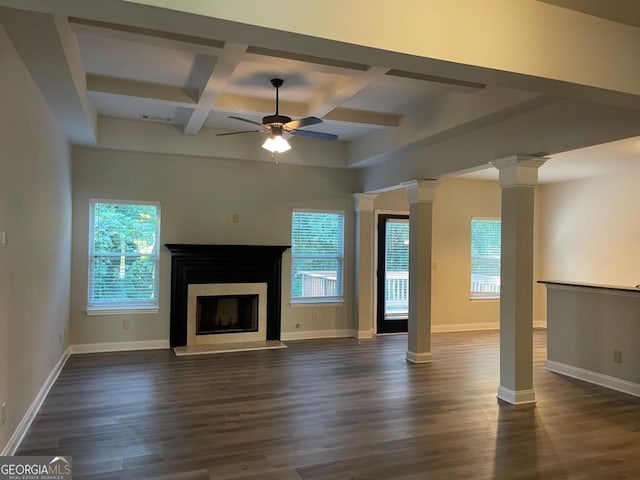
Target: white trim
[(423, 357), (517, 397), (364, 334), (465, 327), (317, 301), (24, 425), (473, 327), (596, 378), (121, 311), (311, 334), (119, 346)]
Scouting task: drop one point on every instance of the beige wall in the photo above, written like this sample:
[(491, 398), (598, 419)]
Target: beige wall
[(195, 196), (456, 201), (35, 213), (590, 230)]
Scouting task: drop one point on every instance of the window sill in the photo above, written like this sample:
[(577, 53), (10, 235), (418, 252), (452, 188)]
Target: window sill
[(329, 302), (493, 299), (121, 311)]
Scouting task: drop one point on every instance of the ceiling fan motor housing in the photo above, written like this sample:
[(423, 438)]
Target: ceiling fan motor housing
[(275, 119)]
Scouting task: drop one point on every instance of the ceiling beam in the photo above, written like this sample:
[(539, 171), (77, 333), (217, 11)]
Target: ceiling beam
[(129, 30), (341, 92), (219, 77), (176, 96), (364, 118)]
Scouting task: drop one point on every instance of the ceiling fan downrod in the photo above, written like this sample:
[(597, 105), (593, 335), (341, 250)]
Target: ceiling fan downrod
[(277, 83)]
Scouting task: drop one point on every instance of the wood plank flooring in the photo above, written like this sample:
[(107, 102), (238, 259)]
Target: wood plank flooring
[(331, 409)]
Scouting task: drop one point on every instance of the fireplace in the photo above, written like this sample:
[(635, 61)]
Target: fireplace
[(225, 282), (226, 313)]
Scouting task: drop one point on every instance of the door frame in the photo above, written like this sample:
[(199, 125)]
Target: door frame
[(379, 252)]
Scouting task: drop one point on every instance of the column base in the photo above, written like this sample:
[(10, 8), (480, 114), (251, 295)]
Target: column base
[(413, 357), (364, 334), (519, 397)]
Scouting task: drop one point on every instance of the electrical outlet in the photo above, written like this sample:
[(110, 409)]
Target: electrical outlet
[(617, 356), (314, 314), (3, 413), (125, 324)]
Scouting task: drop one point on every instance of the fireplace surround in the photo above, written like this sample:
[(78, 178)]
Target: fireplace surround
[(193, 264)]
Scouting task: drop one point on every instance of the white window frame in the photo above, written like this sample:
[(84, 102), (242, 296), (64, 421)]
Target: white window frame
[(326, 300), (127, 306), (474, 295)]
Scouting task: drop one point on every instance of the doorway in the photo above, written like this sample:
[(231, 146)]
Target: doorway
[(393, 273)]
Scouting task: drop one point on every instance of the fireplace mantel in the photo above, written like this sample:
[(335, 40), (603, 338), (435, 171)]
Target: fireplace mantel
[(204, 263)]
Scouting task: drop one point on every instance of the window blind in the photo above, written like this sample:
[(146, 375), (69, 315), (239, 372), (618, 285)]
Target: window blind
[(485, 257), (123, 255), (317, 251)]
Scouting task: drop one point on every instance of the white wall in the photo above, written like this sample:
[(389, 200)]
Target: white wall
[(195, 196), (590, 229), (35, 213)]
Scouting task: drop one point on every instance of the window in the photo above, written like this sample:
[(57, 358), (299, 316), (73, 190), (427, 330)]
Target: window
[(316, 256), (485, 257), (124, 244)]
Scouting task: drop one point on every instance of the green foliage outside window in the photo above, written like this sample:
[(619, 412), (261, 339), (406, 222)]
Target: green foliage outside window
[(123, 255)]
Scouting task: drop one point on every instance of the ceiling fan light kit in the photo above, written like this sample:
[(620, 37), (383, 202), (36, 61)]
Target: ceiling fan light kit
[(278, 124), (276, 144)]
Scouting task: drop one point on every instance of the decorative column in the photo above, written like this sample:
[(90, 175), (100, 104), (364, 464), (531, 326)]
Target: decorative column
[(420, 194), (518, 177), (364, 271)]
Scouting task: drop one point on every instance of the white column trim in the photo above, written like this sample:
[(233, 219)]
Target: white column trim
[(519, 397), (518, 170), (413, 357), (420, 191), (364, 202)]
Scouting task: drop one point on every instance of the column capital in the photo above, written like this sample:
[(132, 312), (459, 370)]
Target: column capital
[(364, 201), (420, 191), (518, 170)]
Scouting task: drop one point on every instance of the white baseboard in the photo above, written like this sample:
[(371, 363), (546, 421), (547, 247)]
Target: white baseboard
[(22, 428), (472, 327), (119, 346), (464, 327), (311, 334), (601, 379)]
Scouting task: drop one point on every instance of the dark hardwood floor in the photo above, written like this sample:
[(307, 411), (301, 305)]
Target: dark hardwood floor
[(331, 409)]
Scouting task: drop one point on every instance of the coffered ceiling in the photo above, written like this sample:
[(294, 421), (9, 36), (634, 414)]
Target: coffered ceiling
[(155, 76)]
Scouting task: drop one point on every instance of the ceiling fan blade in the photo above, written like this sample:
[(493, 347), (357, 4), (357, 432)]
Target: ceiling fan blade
[(246, 120), (303, 122), (311, 134), (236, 133)]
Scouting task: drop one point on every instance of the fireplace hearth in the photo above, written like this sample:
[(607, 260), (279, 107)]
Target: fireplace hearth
[(229, 270)]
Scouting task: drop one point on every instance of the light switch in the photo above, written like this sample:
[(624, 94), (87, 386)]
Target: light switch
[(3, 239)]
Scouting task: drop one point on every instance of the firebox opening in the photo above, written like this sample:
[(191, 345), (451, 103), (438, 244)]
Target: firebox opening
[(226, 314)]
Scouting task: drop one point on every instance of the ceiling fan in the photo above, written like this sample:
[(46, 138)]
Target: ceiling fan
[(278, 124)]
